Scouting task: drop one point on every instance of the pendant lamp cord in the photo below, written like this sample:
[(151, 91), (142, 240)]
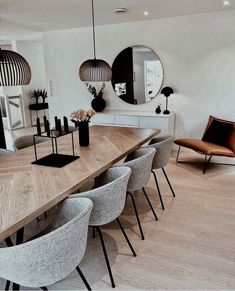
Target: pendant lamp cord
[(93, 25)]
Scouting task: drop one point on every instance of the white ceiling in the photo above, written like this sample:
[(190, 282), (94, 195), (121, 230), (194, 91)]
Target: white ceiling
[(22, 19)]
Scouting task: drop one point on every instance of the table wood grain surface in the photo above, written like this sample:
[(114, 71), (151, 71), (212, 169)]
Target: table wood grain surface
[(27, 191)]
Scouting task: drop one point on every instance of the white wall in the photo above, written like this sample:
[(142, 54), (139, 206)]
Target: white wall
[(32, 51), (197, 53)]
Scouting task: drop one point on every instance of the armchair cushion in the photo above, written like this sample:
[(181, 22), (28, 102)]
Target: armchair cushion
[(204, 147)]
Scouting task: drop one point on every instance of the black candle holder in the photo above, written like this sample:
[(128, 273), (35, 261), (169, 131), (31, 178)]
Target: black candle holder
[(54, 159)]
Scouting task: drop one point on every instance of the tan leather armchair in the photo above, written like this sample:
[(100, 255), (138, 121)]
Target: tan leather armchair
[(218, 140)]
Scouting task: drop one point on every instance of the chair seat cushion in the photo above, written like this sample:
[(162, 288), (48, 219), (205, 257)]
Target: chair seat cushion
[(204, 147)]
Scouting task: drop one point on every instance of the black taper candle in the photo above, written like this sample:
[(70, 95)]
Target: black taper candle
[(56, 118), (66, 126), (59, 128), (47, 128), (45, 121), (38, 126)]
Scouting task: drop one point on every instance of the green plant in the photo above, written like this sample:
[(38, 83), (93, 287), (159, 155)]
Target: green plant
[(93, 91), (39, 93)]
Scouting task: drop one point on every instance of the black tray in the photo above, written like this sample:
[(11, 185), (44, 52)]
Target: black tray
[(56, 160)]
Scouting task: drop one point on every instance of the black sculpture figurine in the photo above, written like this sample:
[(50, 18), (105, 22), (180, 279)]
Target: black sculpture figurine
[(158, 109)]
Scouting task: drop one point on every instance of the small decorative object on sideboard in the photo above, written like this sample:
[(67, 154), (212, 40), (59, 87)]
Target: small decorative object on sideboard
[(35, 97), (167, 91), (81, 119), (158, 109), (55, 159), (98, 103), (36, 105)]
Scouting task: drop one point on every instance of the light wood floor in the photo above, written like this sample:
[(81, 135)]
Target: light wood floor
[(191, 247)]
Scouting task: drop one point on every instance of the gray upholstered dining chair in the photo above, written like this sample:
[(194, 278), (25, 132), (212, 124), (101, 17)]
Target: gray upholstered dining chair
[(140, 162), (4, 152), (46, 260), (108, 197), (163, 145), (26, 141)]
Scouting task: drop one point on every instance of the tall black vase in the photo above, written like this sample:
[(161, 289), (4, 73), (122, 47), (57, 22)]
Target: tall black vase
[(83, 131), (98, 104)]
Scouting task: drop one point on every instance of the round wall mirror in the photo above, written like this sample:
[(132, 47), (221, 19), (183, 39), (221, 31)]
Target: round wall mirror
[(137, 74)]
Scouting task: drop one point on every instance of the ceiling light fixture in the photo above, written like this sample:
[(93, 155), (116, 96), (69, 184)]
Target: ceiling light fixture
[(226, 2), (14, 69), (95, 70), (146, 13), (120, 10)]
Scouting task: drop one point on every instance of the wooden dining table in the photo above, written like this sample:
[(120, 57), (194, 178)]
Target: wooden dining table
[(28, 190)]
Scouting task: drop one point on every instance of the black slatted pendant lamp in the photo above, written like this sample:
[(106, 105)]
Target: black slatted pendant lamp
[(14, 69), (95, 70)]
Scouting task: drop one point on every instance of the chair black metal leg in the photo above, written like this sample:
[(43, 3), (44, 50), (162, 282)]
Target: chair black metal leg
[(136, 214), (83, 278), (177, 157), (206, 162), (126, 237), (209, 159), (164, 172), (20, 236), (93, 232), (205, 165), (9, 242), (158, 190), (149, 203), (106, 256), (7, 286), (16, 287), (44, 288)]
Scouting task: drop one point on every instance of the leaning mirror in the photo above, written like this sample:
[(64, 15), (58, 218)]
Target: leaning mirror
[(137, 74)]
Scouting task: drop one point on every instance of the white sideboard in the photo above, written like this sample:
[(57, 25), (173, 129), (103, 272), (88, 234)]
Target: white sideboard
[(136, 119)]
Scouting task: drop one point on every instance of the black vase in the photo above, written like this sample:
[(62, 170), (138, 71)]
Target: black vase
[(83, 131), (98, 104)]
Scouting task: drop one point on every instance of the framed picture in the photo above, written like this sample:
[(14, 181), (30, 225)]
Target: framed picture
[(120, 89)]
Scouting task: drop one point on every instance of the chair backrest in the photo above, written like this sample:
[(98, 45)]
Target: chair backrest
[(140, 162), (4, 152), (163, 146), (50, 258), (220, 132), (26, 141), (109, 197)]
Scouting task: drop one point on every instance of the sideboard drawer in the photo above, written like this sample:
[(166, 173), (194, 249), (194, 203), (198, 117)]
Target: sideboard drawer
[(151, 122), (127, 120), (103, 118), (136, 119)]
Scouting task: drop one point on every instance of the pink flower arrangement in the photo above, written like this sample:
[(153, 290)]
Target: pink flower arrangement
[(81, 115)]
